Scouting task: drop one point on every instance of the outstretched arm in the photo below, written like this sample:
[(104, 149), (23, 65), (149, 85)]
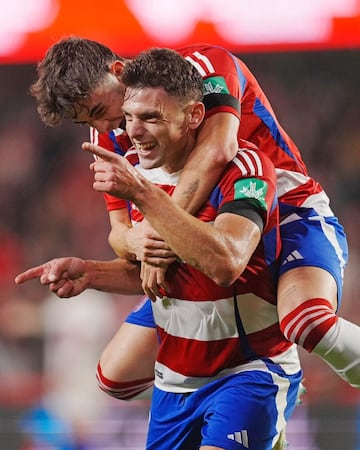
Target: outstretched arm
[(70, 276)]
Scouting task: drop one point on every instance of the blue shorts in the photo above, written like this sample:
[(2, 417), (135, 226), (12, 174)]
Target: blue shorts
[(142, 314), (242, 411), (312, 240), (315, 241)]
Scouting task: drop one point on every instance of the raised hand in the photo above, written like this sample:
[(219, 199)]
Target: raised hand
[(113, 173)]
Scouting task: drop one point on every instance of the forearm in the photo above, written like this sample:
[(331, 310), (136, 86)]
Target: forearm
[(220, 255), (119, 242), (117, 276), (216, 146), (118, 236)]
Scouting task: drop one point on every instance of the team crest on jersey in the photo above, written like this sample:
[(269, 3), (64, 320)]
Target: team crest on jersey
[(251, 188), (215, 85)]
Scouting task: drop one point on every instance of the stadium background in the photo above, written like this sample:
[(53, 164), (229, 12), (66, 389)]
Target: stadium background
[(49, 348)]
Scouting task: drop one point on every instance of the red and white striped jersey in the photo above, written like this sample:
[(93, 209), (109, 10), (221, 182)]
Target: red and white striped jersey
[(207, 331), (229, 86)]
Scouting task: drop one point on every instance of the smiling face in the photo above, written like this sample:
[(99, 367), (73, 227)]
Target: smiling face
[(103, 108), (161, 127)]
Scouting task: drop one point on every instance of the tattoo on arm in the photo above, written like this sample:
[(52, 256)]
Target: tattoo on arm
[(190, 191)]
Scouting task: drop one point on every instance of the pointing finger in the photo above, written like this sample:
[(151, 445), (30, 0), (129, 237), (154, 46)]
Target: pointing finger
[(96, 150)]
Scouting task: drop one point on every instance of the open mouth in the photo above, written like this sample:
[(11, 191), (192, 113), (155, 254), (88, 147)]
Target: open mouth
[(144, 148)]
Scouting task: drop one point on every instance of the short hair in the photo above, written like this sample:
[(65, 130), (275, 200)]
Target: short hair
[(163, 67), (71, 69)]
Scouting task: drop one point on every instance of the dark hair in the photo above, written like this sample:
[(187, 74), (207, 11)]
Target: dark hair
[(162, 67), (71, 69)]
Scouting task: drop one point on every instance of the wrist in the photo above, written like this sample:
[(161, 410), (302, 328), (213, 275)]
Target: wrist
[(130, 249), (90, 274), (149, 198)]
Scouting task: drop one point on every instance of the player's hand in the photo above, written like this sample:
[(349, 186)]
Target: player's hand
[(148, 246), (153, 281), (66, 277), (113, 173)]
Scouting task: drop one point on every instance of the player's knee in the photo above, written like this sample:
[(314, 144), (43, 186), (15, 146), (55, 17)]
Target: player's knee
[(125, 390)]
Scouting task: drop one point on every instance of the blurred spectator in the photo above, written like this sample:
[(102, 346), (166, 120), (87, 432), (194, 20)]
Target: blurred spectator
[(75, 332)]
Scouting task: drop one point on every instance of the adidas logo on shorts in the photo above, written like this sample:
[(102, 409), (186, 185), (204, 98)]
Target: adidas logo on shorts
[(240, 436)]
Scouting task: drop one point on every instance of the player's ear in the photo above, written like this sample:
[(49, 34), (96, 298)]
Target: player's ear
[(116, 68), (197, 114)]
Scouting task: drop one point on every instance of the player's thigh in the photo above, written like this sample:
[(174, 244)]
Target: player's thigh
[(304, 283), (131, 353), (314, 256)]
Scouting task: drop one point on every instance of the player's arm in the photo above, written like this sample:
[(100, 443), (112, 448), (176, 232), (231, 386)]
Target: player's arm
[(120, 224), (216, 146), (216, 143), (221, 251), (70, 276)]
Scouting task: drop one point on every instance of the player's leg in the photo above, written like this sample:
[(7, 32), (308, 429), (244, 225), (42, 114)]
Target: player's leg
[(126, 366), (309, 293)]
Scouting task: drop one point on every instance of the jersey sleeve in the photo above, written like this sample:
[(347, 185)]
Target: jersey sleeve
[(115, 141), (250, 179), (224, 81)]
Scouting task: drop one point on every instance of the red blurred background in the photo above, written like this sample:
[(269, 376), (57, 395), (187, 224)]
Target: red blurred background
[(128, 26), (305, 54)]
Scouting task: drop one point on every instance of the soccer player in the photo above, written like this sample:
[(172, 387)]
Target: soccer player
[(225, 376), (314, 249)]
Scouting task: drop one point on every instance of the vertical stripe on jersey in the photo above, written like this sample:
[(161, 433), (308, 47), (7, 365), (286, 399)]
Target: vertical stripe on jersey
[(265, 116), (196, 65), (94, 136), (117, 147), (241, 76), (249, 163), (245, 346), (203, 61), (330, 233)]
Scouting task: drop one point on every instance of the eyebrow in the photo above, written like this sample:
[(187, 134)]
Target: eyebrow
[(146, 114), (96, 110)]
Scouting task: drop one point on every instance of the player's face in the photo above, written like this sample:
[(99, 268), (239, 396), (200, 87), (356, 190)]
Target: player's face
[(157, 124), (103, 109)]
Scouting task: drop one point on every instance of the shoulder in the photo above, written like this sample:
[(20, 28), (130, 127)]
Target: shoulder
[(208, 58), (251, 161)]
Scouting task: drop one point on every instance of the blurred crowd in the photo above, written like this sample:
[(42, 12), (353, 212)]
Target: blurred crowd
[(49, 347)]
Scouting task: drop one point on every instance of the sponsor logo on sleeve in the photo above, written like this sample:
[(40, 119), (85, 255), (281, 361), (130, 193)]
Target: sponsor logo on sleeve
[(215, 85), (251, 188)]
